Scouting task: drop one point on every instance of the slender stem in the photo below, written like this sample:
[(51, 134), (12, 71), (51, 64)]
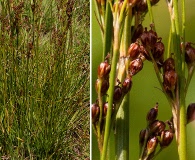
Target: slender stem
[(182, 150), (150, 12), (107, 31), (122, 130), (122, 117), (111, 88)]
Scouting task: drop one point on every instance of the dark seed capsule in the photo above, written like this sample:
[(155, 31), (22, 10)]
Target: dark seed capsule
[(152, 37), (189, 53), (152, 114), (169, 64), (104, 87), (157, 127), (135, 66), (153, 2), (103, 70), (142, 137), (126, 86), (191, 112), (166, 138), (134, 51), (95, 111), (141, 6), (158, 50), (137, 33), (117, 93), (144, 38), (151, 145), (170, 80), (145, 53), (105, 106)]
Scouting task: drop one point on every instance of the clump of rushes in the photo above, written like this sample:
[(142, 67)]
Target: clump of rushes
[(155, 134), (129, 44)]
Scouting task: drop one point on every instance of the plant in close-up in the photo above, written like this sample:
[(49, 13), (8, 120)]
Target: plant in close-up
[(127, 45)]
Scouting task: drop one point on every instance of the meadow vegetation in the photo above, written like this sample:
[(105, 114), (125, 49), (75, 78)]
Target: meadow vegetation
[(44, 79)]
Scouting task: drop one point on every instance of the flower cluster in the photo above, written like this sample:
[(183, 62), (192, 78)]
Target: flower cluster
[(155, 134)]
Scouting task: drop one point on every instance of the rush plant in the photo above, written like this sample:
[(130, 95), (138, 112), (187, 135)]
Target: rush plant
[(127, 45)]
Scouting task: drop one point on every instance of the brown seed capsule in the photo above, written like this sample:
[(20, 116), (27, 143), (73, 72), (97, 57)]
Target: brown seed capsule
[(95, 111), (103, 70), (145, 53), (170, 80), (168, 65), (191, 112), (189, 53), (135, 66), (142, 137), (157, 127), (158, 50), (104, 87), (151, 145), (153, 2), (152, 37), (137, 33), (117, 93), (141, 6), (134, 51), (126, 86), (105, 106), (145, 38), (166, 138), (152, 114)]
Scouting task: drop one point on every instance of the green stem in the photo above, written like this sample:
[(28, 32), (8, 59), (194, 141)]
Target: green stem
[(122, 117), (182, 150), (107, 39), (150, 12), (122, 130), (180, 68)]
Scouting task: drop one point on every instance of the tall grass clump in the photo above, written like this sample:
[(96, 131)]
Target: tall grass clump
[(44, 79)]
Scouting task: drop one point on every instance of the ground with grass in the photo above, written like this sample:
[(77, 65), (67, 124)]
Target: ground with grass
[(44, 79)]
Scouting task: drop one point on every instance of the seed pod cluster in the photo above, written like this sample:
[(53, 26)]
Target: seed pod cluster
[(145, 44), (102, 86), (155, 134), (169, 77)]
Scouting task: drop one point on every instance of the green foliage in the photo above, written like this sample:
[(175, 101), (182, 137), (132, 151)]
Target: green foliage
[(44, 80)]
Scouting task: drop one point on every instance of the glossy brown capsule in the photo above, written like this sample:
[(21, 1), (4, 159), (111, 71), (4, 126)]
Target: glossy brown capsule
[(126, 86), (170, 80), (142, 137), (104, 70), (157, 127), (189, 53), (95, 111), (137, 33), (152, 114), (169, 64), (151, 145), (117, 93), (158, 50), (134, 50), (135, 66), (191, 112), (105, 106), (104, 86), (166, 138)]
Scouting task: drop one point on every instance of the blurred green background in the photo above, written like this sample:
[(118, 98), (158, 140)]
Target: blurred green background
[(145, 91)]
